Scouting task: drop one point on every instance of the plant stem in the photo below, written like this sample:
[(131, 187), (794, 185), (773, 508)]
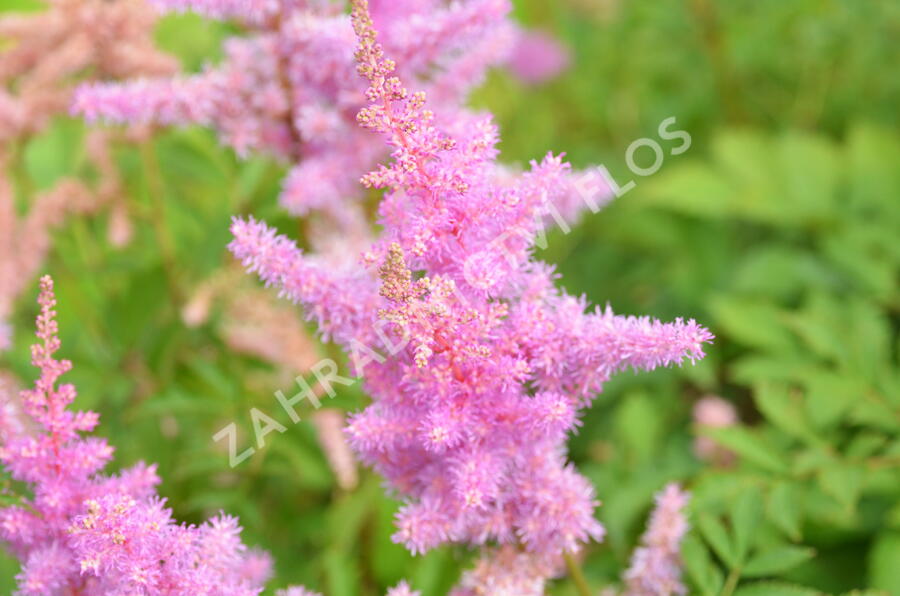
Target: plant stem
[(577, 576), (156, 190), (731, 582)]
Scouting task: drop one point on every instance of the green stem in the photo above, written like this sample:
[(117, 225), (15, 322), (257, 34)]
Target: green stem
[(157, 212), (577, 576), (731, 582)]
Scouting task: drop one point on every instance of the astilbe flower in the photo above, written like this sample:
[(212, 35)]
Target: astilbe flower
[(401, 589), (43, 55), (656, 565), (538, 57), (505, 571), (47, 52), (86, 532), (288, 89), (470, 417)]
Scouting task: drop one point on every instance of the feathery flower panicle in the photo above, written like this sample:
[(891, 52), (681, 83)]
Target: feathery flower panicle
[(49, 51), (43, 55), (401, 589), (656, 565), (470, 415), (89, 533), (288, 88), (506, 571)]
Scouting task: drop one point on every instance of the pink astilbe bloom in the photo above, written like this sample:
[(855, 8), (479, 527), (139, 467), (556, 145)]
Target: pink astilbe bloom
[(713, 412), (537, 57), (506, 571), (296, 591), (43, 56), (401, 589), (656, 565), (46, 53), (288, 89), (484, 363), (89, 533)]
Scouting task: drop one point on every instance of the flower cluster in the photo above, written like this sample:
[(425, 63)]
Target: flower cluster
[(537, 57), (288, 88), (89, 533), (656, 565), (401, 589), (505, 571), (46, 52), (43, 55), (469, 420)]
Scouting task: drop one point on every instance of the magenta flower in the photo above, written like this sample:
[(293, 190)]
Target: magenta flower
[(289, 89), (88, 533), (476, 362)]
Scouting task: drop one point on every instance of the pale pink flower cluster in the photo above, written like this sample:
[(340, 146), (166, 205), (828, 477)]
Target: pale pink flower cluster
[(538, 57), (506, 571), (88, 533), (43, 55), (471, 412), (288, 88), (401, 589), (656, 565)]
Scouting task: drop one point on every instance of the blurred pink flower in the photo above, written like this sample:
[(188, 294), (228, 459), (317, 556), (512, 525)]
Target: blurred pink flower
[(713, 412), (537, 57), (656, 565), (97, 534)]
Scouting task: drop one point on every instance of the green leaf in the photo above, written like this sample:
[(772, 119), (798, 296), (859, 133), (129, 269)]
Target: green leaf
[(700, 567), (784, 410), (638, 424), (884, 563), (843, 481), (745, 517), (777, 560), (830, 395), (342, 573), (717, 536), (784, 508), (754, 323), (693, 188), (750, 446)]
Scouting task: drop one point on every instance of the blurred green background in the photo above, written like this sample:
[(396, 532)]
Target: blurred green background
[(778, 229)]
